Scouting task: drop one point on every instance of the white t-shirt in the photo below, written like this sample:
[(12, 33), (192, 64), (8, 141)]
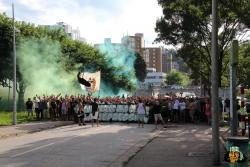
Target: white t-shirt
[(182, 105), (176, 105), (140, 109)]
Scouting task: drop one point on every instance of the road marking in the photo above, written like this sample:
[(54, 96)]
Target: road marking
[(34, 149), (46, 145)]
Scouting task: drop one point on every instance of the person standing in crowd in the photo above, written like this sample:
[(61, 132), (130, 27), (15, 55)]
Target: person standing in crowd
[(165, 111), (81, 113), (36, 105), (64, 109), (140, 110), (29, 107), (182, 106), (157, 113), (53, 106), (176, 111), (75, 109), (95, 113), (42, 107), (191, 108)]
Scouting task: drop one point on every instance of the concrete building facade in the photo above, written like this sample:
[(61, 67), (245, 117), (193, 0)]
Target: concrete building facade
[(153, 57), (154, 78), (72, 33), (135, 42)]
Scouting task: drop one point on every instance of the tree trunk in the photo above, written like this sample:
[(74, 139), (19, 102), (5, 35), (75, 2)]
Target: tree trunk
[(21, 92), (220, 67)]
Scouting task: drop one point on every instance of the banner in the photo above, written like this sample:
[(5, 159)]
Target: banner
[(94, 80)]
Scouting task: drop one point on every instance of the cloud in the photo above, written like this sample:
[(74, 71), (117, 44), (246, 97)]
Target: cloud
[(96, 19), (3, 7)]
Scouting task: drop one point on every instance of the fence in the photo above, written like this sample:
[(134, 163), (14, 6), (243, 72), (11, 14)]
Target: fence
[(117, 113)]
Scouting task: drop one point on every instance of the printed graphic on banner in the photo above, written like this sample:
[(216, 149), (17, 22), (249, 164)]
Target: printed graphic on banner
[(89, 81), (234, 155)]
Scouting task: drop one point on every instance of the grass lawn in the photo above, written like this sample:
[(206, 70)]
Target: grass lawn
[(22, 117)]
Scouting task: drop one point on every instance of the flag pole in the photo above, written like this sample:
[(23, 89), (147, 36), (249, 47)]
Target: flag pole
[(99, 85)]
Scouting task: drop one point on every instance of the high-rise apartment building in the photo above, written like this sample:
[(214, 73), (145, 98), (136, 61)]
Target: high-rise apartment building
[(72, 33), (135, 43), (153, 57)]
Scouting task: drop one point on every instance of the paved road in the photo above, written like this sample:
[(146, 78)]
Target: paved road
[(187, 145), (76, 146)]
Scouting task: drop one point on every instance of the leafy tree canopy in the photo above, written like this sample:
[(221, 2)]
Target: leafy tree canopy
[(140, 68), (73, 53), (187, 25), (177, 78)]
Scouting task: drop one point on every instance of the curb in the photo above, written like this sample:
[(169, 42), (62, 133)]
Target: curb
[(132, 151), (35, 130)]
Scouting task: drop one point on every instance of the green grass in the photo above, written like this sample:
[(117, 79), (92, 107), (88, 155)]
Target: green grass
[(22, 117)]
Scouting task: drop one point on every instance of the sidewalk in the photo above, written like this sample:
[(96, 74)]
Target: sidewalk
[(16, 130), (186, 145)]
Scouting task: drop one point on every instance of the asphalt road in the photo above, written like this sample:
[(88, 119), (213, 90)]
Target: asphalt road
[(73, 145)]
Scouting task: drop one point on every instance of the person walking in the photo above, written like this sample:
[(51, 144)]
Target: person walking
[(157, 113), (140, 110)]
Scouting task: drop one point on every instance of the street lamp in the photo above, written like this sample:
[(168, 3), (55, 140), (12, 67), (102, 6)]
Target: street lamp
[(14, 67)]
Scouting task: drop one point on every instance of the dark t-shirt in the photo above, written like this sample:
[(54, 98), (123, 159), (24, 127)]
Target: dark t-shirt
[(156, 109), (29, 104), (94, 107)]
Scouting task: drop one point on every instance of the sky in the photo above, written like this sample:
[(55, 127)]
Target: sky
[(96, 19)]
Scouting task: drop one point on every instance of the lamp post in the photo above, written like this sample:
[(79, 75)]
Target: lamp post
[(14, 67)]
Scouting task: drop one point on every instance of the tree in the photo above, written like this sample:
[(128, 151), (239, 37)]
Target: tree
[(243, 66), (177, 78), (74, 55), (140, 68), (91, 59), (5, 51), (239, 8), (187, 24)]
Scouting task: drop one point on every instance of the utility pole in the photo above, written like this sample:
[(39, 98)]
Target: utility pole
[(233, 107), (214, 93), (200, 79), (14, 67)]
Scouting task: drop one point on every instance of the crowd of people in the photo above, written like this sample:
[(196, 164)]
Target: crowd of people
[(165, 109)]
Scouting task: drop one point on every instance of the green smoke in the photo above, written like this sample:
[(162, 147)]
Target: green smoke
[(41, 66), (123, 59)]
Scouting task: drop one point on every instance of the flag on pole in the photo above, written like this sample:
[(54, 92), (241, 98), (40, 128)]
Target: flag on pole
[(92, 78)]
